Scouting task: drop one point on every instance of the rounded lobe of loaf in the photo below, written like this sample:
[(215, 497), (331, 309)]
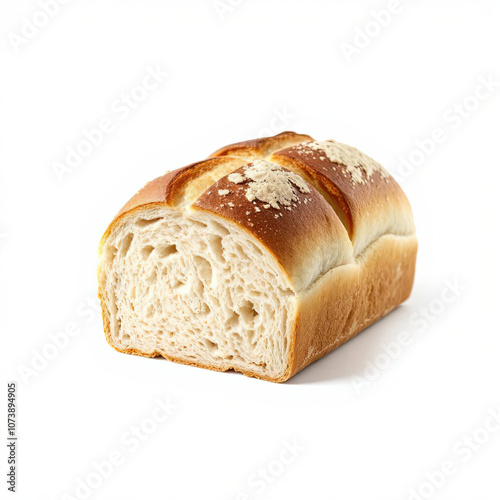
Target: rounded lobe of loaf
[(263, 147), (187, 182), (368, 200), (306, 238), (154, 191), (192, 180)]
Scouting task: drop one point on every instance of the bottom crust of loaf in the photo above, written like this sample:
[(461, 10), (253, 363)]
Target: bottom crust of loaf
[(338, 306)]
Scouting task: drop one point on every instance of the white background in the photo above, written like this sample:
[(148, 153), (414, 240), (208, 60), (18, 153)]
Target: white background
[(232, 75)]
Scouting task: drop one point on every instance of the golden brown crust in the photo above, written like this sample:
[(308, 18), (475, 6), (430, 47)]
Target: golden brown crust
[(352, 297), (261, 148), (154, 191), (169, 187), (368, 209)]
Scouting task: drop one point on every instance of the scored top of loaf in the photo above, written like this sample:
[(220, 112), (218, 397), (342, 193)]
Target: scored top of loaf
[(313, 205)]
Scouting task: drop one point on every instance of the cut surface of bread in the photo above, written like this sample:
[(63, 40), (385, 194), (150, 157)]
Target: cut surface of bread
[(260, 259)]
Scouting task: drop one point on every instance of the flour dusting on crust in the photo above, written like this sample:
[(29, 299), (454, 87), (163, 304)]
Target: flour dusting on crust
[(270, 184), (236, 178), (360, 166)]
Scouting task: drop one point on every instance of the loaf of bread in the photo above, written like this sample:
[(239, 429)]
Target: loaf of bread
[(260, 259)]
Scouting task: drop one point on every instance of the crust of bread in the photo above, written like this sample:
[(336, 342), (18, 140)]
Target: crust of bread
[(369, 210), (170, 187), (350, 298), (342, 300), (261, 148)]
